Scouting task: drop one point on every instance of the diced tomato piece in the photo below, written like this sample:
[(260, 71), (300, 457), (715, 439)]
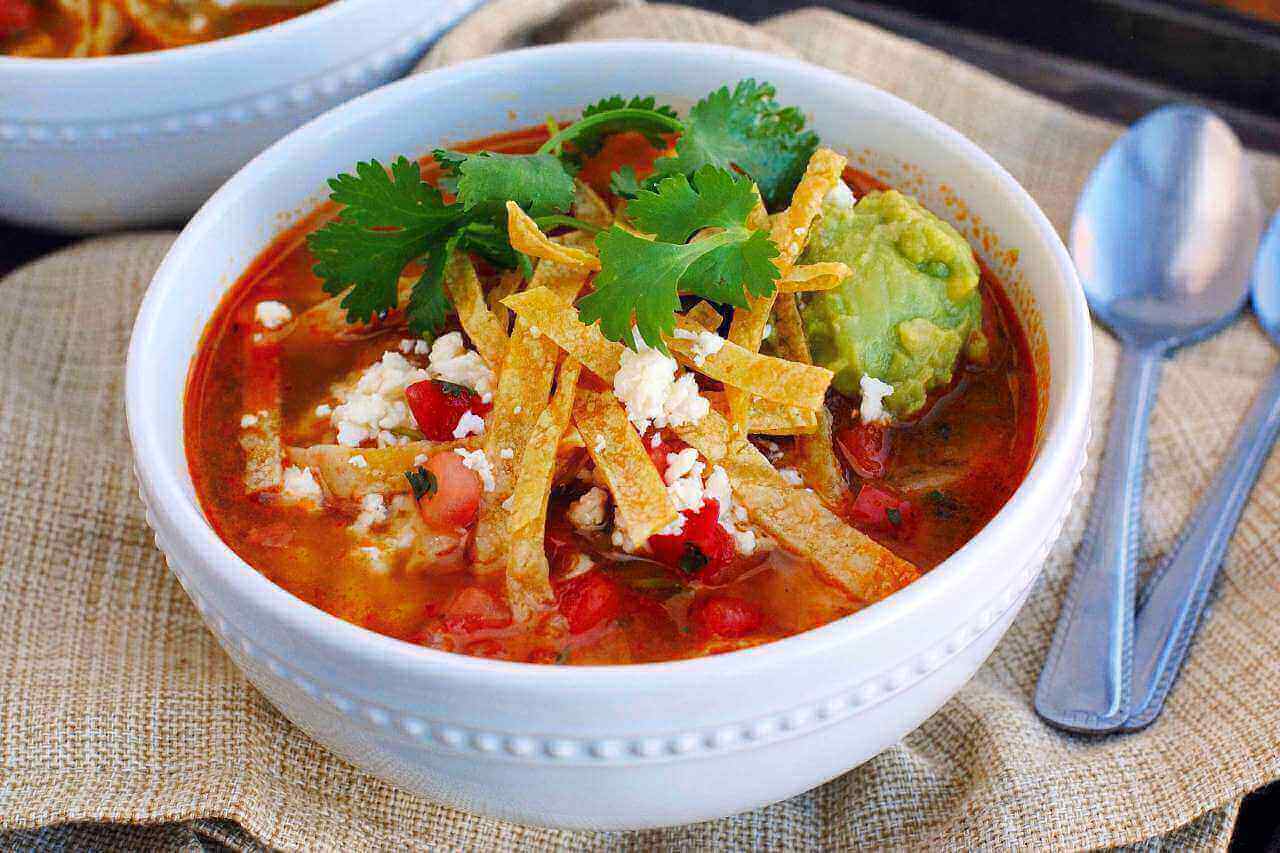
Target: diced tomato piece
[(590, 599), (726, 616), (15, 17), (866, 447), (882, 511), (474, 609), (703, 547), (438, 406), (659, 454), (448, 492)]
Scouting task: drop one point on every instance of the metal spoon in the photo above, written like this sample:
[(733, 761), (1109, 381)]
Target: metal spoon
[(1163, 236), (1174, 599)]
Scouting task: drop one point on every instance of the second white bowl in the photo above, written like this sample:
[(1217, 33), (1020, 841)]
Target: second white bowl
[(96, 144)]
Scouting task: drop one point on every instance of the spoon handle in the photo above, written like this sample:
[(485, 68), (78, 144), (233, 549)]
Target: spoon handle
[(1085, 682), (1175, 597)]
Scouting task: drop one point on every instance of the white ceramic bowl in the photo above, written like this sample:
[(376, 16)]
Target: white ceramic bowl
[(621, 746), (93, 144)]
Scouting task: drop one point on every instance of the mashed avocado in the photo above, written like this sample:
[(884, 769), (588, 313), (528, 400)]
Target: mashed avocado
[(910, 305)]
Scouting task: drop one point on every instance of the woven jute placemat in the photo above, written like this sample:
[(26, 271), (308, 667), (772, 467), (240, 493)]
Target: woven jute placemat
[(123, 726)]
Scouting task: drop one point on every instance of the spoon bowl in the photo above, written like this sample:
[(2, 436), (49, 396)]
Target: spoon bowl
[(1165, 232)]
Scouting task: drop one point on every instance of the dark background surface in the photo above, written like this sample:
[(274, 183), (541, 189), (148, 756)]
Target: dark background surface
[(1116, 59)]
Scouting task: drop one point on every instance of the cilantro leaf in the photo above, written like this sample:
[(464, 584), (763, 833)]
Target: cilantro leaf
[(536, 182), (677, 210), (429, 305), (387, 221), (644, 278), (624, 183), (617, 115), (746, 129)]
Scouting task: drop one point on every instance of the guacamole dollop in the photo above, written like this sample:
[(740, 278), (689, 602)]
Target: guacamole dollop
[(908, 308)]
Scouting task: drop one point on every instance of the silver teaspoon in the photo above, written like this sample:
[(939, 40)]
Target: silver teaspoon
[(1174, 599), (1163, 237)]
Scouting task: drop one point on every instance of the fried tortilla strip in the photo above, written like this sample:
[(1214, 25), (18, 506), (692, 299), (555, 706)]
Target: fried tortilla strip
[(508, 284), (528, 573), (824, 275), (776, 379), (590, 207), (327, 320), (639, 494), (800, 522), (816, 453), (524, 384), (487, 334), (768, 417), (260, 427), (705, 316), (527, 237), (382, 469), (789, 231), (558, 320)]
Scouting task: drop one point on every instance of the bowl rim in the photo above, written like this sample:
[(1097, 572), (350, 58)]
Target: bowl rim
[(53, 70), (1048, 481)]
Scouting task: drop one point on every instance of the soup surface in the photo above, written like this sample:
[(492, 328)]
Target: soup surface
[(336, 535), (83, 28)]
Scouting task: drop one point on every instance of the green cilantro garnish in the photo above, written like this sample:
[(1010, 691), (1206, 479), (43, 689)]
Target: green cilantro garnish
[(944, 505), (645, 278), (894, 515), (422, 481), (392, 219), (746, 129)]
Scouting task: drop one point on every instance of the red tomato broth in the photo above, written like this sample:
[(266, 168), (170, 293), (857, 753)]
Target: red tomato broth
[(957, 464)]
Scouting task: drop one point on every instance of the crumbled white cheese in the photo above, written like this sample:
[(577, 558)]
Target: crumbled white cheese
[(507, 453), (469, 424), (682, 464), (376, 406), (272, 314), (600, 444), (517, 410), (299, 484), (247, 421), (478, 462), (420, 459), (509, 504), (452, 362), (646, 384), (535, 332), (358, 461), (324, 410), (792, 476), (405, 346), (871, 410), (373, 511), (839, 196), (717, 488), (656, 441), (706, 344), (588, 511)]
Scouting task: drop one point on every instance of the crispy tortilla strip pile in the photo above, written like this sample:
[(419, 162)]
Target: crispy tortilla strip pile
[(852, 561), (528, 574), (528, 238), (524, 384), (790, 232)]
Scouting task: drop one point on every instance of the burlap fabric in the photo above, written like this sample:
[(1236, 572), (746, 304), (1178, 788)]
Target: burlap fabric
[(117, 707)]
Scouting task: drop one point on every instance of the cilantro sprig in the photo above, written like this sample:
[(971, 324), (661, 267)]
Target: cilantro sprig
[(644, 278)]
